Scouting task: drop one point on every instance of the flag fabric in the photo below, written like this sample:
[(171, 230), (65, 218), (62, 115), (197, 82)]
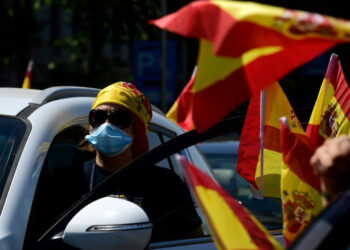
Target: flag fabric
[(249, 153), (331, 114), (181, 111), (27, 82), (300, 187), (240, 42), (231, 225)]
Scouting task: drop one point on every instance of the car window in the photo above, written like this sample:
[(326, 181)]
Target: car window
[(12, 132), (156, 136), (202, 230), (154, 140), (63, 152), (172, 160), (267, 211)]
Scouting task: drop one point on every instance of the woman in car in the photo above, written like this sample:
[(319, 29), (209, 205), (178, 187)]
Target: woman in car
[(119, 121), (118, 124)]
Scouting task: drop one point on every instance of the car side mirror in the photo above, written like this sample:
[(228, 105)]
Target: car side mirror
[(109, 223)]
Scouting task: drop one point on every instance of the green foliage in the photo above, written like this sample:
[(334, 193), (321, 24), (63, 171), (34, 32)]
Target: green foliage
[(80, 40)]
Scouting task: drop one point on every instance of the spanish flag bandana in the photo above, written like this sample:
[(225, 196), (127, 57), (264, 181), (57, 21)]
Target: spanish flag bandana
[(128, 96)]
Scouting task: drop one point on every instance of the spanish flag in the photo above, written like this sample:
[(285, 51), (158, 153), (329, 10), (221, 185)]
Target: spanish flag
[(300, 187), (181, 111), (231, 225), (27, 82), (331, 114), (246, 46), (249, 164)]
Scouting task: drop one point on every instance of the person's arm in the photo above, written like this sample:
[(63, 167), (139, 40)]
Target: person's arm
[(331, 162)]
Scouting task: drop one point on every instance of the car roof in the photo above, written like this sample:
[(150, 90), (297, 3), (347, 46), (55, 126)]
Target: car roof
[(15, 100)]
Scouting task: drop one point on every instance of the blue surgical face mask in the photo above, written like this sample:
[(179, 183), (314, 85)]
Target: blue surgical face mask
[(109, 140)]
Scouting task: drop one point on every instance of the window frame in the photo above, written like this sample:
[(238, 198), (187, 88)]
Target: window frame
[(161, 132), (12, 169), (61, 136)]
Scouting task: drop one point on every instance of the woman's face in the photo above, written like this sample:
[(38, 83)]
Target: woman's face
[(111, 107)]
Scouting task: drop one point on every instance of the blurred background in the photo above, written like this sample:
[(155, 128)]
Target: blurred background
[(95, 43)]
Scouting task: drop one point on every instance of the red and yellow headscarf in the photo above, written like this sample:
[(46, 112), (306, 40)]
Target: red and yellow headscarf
[(128, 96)]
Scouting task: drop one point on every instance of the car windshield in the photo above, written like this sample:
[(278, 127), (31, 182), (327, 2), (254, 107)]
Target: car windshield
[(12, 131)]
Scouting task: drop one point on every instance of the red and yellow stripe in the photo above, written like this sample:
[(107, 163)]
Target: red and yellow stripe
[(331, 114), (300, 187), (181, 111), (231, 225), (27, 82), (249, 153), (240, 42)]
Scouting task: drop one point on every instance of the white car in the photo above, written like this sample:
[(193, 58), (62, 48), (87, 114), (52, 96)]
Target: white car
[(39, 132)]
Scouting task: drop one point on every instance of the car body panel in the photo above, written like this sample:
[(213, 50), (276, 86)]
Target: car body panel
[(14, 100), (203, 243), (68, 112)]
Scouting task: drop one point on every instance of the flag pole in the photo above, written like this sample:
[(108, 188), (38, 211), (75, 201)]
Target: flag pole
[(27, 82), (163, 95), (260, 194)]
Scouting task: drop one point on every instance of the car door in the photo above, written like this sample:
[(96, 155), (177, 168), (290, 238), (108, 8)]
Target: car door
[(157, 136), (180, 144), (64, 152)]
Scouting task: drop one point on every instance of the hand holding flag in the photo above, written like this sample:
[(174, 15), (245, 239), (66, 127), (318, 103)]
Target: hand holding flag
[(331, 162)]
